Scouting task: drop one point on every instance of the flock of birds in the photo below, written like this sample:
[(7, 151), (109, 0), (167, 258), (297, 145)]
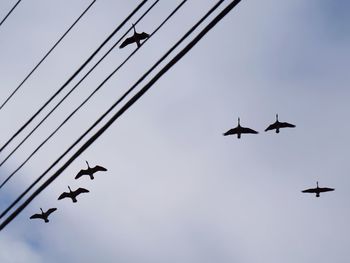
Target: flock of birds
[(71, 194), (238, 130), (277, 125), (135, 38)]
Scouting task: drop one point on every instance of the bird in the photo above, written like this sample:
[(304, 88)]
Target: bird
[(73, 194), (90, 171), (239, 130), (136, 38), (318, 190), (278, 125), (43, 215)]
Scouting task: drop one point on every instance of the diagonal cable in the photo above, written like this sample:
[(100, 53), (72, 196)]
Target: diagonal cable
[(134, 99), (112, 107), (46, 55), (9, 13)]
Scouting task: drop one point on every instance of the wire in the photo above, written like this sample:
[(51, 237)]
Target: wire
[(9, 13), (119, 113), (75, 74), (47, 54), (88, 98), (63, 99)]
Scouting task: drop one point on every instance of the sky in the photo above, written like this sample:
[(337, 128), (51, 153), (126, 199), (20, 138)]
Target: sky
[(176, 190)]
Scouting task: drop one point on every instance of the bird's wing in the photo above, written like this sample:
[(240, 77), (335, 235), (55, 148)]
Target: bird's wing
[(143, 35), (81, 173), (81, 190), (98, 168), (326, 189), (48, 212), (63, 195), (36, 216), (248, 130), (311, 190), (232, 131), (271, 127), (127, 41), (286, 125)]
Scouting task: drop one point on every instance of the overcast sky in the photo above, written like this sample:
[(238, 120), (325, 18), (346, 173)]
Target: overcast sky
[(176, 190)]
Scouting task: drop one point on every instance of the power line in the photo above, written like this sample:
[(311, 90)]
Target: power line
[(74, 75), (120, 112), (47, 54), (76, 85), (9, 13), (88, 98)]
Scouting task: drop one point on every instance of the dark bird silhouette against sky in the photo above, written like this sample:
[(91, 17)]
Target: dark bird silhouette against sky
[(73, 194), (278, 125), (43, 215), (136, 38), (90, 171), (317, 190), (239, 130)]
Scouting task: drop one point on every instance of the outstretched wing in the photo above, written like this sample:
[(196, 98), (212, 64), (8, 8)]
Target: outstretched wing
[(272, 127), (40, 216), (81, 173), (81, 190), (63, 195), (286, 125), (230, 132), (143, 35), (248, 130), (325, 189), (51, 210), (128, 41), (311, 190), (98, 168)]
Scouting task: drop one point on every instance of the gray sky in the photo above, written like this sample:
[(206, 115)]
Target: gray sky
[(176, 190)]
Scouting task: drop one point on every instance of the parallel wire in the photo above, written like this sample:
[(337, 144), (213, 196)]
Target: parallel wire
[(76, 85), (88, 98), (19, 209), (136, 97), (9, 13), (74, 75), (46, 55)]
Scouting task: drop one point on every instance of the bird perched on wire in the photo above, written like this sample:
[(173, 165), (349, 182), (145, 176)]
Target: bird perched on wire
[(239, 130), (44, 215), (278, 125), (136, 38), (318, 190), (73, 194), (90, 171)]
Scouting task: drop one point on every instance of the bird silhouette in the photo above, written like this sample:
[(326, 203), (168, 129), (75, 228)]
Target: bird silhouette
[(90, 171), (136, 38), (239, 130), (73, 194), (317, 190), (278, 125), (43, 215)]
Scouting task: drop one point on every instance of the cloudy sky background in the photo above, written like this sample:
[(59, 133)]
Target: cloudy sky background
[(176, 190)]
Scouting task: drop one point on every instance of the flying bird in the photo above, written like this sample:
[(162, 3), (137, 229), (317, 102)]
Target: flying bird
[(278, 125), (239, 130), (73, 194), (318, 190), (136, 38), (43, 215), (90, 171)]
